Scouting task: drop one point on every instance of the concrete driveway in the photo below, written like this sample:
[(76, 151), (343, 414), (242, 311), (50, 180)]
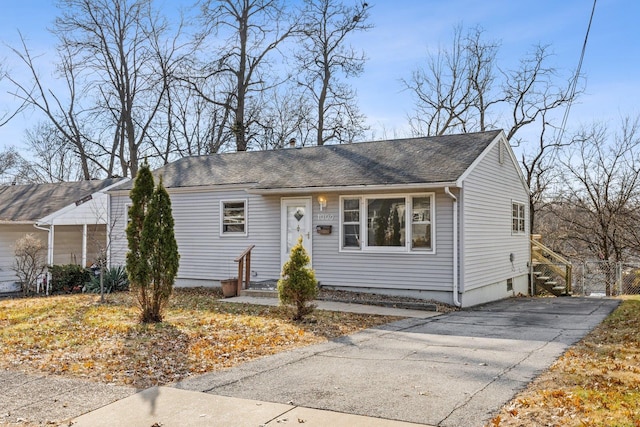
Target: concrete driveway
[(456, 369)]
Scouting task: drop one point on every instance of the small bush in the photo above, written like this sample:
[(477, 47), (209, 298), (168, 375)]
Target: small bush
[(68, 278), (115, 280), (298, 285), (30, 261)]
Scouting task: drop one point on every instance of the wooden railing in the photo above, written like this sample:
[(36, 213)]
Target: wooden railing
[(244, 268), (553, 263)]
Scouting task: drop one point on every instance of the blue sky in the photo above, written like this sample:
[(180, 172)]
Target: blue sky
[(405, 30)]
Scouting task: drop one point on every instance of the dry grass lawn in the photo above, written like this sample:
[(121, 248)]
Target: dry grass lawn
[(75, 335), (595, 383)]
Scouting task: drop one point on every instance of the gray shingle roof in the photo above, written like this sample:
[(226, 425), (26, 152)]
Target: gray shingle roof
[(402, 161), (32, 202)]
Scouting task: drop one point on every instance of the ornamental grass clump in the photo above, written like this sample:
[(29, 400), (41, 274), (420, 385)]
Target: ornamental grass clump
[(298, 285)]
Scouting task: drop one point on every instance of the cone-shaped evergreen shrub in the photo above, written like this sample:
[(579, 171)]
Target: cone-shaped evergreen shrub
[(152, 260), (159, 245), (298, 285), (136, 262)]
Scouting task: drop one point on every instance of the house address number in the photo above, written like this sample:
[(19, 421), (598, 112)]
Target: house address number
[(325, 217)]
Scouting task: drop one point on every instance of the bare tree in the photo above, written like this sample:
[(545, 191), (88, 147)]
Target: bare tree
[(116, 60), (323, 58), (600, 192), (117, 44), (30, 261), (287, 115), (7, 114), (462, 89), (250, 32), (541, 171), (9, 160), (64, 115), (455, 90), (54, 157)]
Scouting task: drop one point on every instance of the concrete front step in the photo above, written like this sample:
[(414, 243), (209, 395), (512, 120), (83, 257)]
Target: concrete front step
[(259, 293)]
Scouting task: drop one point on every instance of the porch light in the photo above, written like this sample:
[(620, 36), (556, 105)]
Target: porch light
[(322, 201)]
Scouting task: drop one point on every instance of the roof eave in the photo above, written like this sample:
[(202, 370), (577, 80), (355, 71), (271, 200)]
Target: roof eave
[(343, 188), (18, 222)]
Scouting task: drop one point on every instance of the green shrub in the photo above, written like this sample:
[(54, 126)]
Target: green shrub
[(115, 280), (68, 278), (298, 285), (152, 260)]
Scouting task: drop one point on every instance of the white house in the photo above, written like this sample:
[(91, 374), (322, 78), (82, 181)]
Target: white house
[(71, 217), (442, 218)]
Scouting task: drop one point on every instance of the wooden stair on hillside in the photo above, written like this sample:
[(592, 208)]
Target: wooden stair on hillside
[(550, 272)]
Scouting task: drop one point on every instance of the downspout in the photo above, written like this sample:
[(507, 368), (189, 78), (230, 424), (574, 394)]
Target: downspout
[(456, 301), (49, 253)]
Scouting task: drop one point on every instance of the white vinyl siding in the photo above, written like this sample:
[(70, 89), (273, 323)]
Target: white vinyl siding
[(374, 269), (67, 245), (67, 248), (487, 240), (9, 234), (204, 254)]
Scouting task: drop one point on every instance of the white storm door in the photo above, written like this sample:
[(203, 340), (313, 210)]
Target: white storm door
[(296, 221)]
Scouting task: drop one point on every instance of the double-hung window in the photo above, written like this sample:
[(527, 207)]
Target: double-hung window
[(233, 217), (387, 223), (351, 223), (421, 223), (517, 218)]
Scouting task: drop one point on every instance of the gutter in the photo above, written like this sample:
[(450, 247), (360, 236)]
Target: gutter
[(456, 301), (344, 188), (49, 252)]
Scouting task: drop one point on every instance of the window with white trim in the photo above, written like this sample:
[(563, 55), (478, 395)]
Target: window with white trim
[(421, 223), (387, 223), (233, 217), (127, 218), (517, 218), (351, 223)]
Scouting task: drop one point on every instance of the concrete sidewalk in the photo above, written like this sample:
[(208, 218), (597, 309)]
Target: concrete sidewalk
[(454, 369), (340, 306), (170, 407)]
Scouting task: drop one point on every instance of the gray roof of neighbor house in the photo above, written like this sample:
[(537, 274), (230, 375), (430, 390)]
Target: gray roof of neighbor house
[(403, 161), (31, 202)]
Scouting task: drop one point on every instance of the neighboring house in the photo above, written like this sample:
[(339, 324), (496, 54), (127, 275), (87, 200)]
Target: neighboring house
[(442, 218), (70, 217)]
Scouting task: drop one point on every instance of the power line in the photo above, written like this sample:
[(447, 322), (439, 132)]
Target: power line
[(574, 83)]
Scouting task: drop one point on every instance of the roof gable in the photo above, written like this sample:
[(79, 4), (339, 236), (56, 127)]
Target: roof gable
[(31, 202), (423, 160)]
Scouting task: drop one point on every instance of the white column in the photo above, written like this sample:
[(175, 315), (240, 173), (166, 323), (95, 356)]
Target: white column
[(50, 255), (50, 248), (84, 245)]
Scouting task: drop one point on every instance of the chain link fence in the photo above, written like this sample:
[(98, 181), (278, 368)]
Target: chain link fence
[(606, 278)]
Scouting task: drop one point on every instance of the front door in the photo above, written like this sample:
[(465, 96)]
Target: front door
[(296, 221)]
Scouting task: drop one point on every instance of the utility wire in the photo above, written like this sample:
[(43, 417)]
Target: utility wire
[(574, 83)]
